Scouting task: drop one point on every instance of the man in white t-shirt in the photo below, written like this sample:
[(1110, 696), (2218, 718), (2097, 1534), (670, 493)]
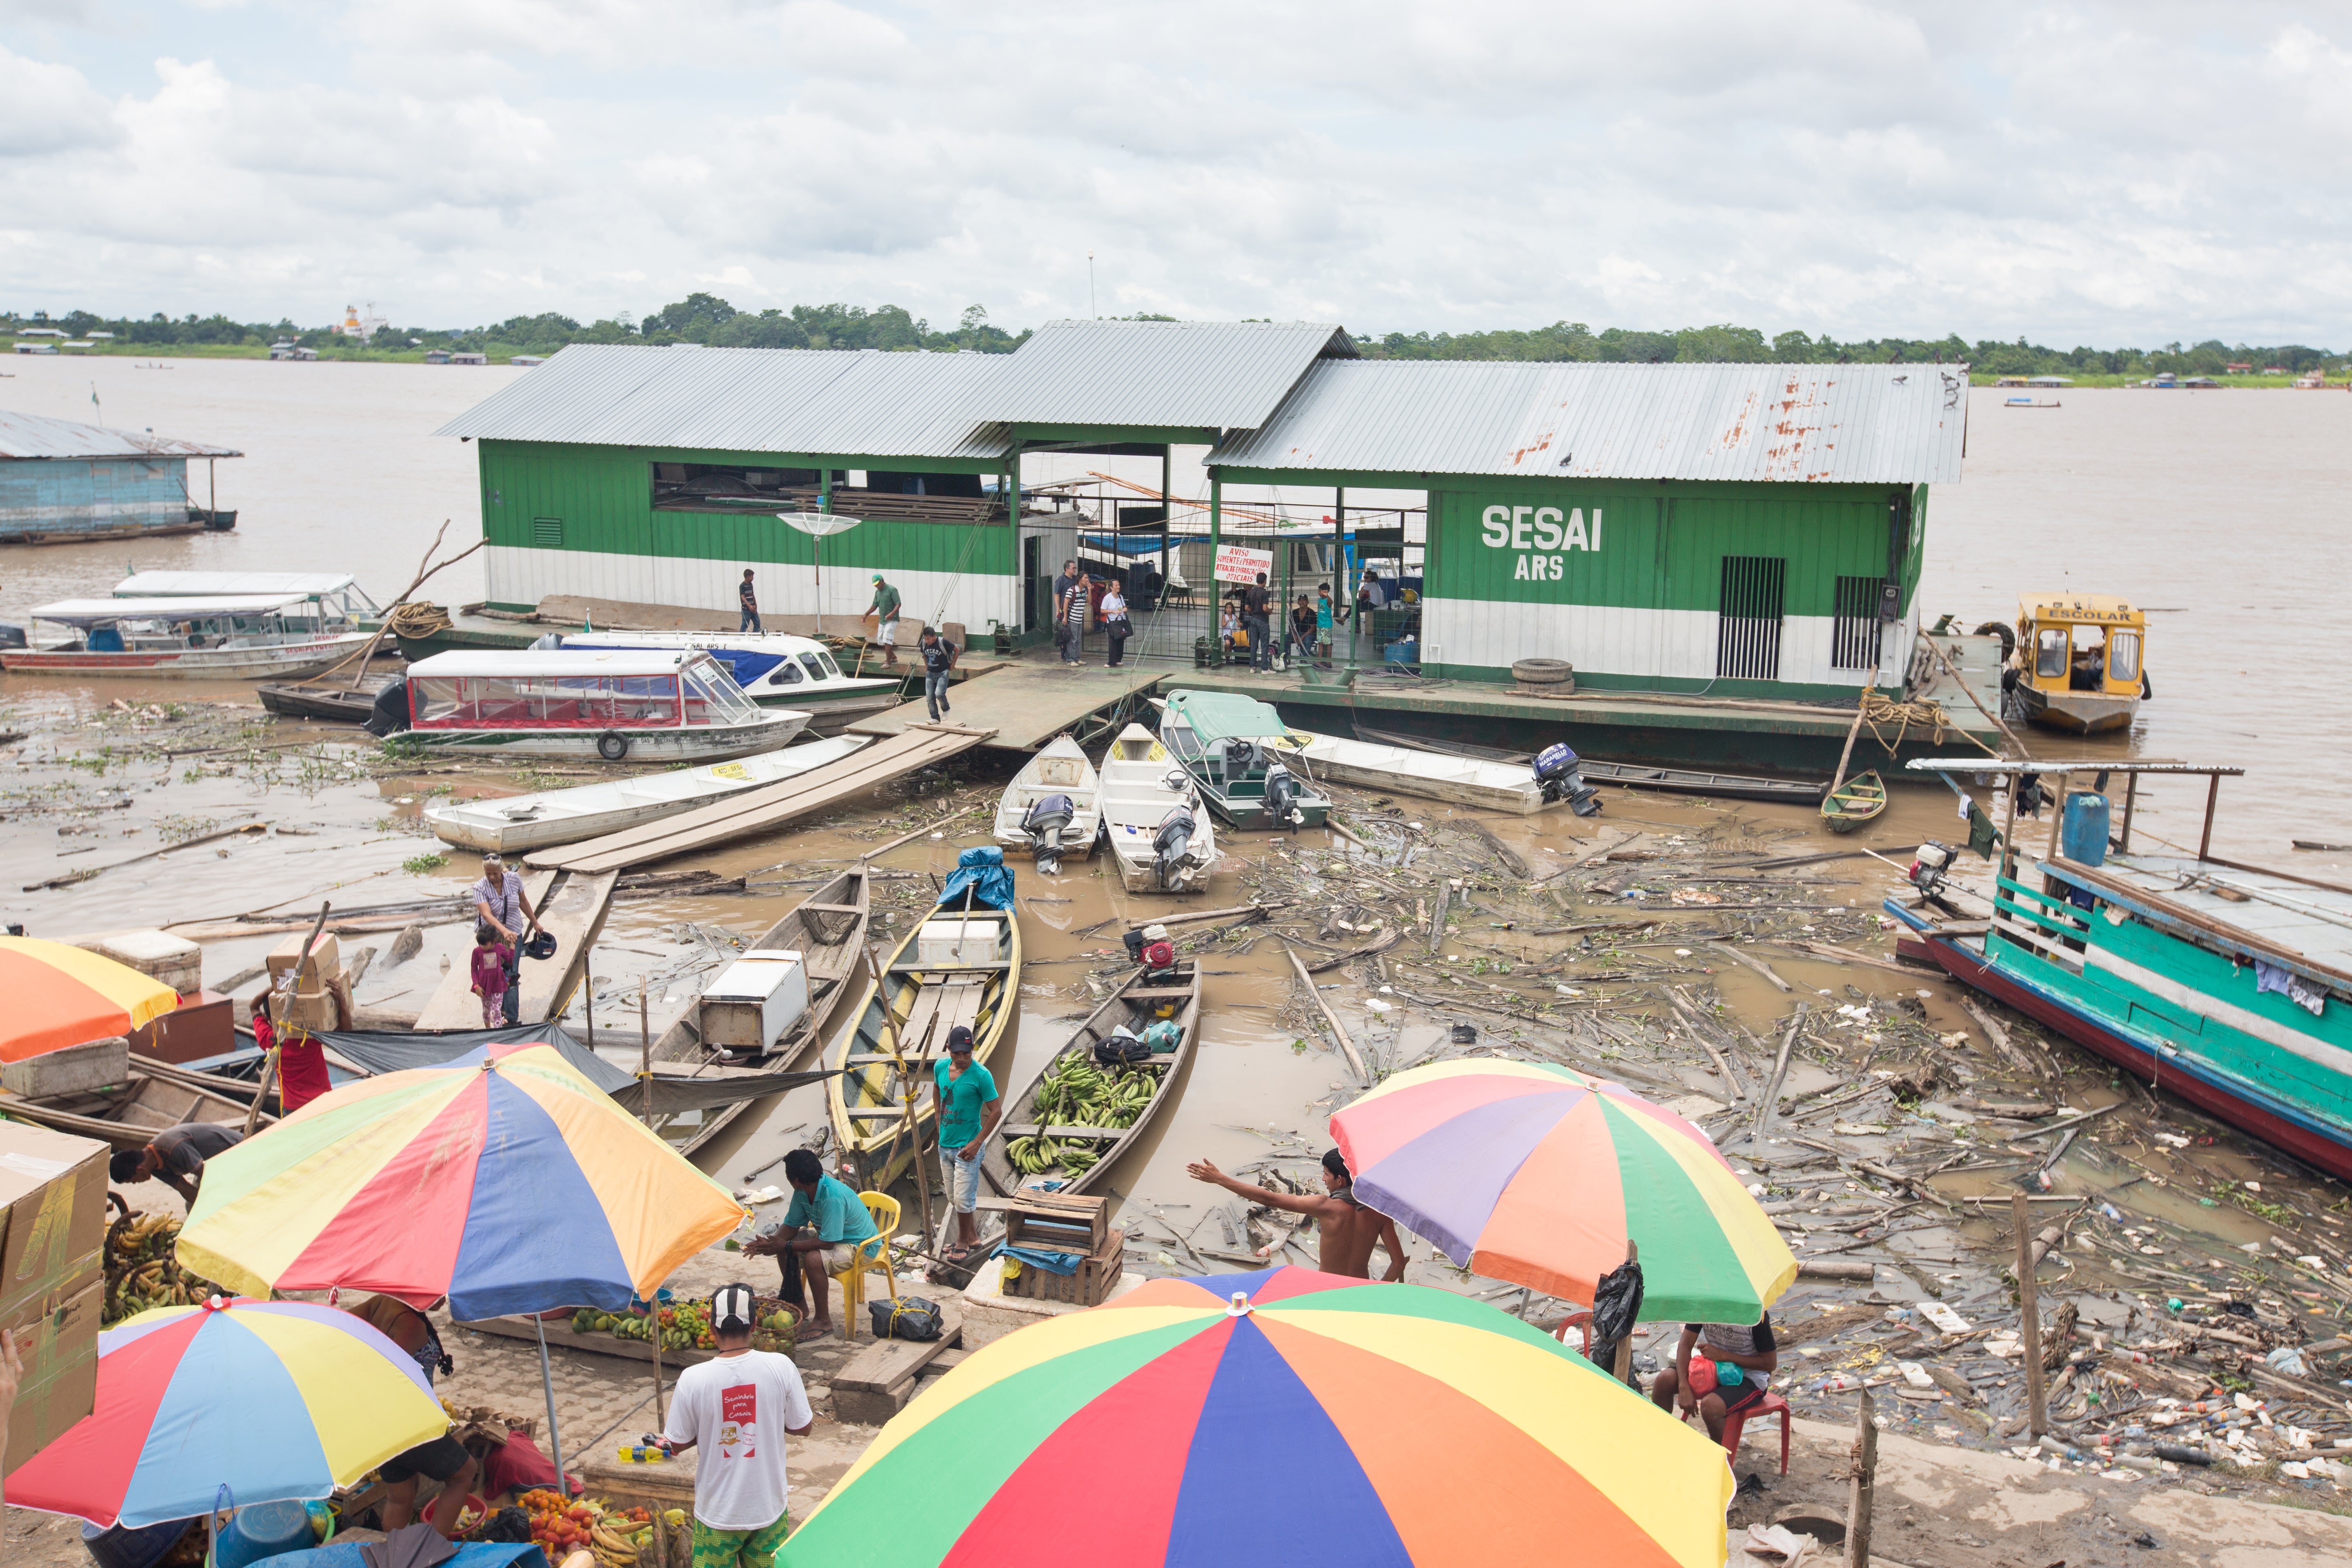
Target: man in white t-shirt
[(740, 1406)]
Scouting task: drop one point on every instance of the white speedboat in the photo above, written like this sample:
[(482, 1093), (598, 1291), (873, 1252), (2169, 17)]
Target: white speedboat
[(776, 669), (636, 705), (524, 822), (1160, 836), (1053, 807), (262, 637), (1408, 770), (336, 603)]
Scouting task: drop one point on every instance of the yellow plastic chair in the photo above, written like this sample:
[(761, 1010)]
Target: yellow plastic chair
[(869, 1257)]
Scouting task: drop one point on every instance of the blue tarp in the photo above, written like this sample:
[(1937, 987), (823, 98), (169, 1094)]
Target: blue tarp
[(470, 1554), (984, 872), (1139, 543)]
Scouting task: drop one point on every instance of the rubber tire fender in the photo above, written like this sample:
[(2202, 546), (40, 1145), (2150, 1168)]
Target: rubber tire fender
[(612, 746), (1542, 671), (2005, 632)]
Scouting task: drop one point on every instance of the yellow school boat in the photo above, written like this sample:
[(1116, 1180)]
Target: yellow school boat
[(2079, 662)]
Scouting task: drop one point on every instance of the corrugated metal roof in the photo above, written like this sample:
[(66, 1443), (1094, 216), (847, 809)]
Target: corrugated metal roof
[(1817, 424), (815, 401), (30, 436), (1214, 375)]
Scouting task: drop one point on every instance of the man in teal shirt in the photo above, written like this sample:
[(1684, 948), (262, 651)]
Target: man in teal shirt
[(825, 1225), (970, 1108), (883, 608)]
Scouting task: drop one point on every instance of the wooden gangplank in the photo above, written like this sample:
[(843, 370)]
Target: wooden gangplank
[(571, 907), (766, 808), (1027, 703)]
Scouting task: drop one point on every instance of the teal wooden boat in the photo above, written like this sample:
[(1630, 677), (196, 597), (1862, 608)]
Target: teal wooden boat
[(1224, 742), (2228, 984), (1860, 799)]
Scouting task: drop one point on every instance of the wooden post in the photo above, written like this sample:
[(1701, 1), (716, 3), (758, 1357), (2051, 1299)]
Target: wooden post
[(1623, 1368), (2029, 1318), (2010, 782), (1861, 712), (1862, 1487), (2131, 790), (2212, 795), (1347, 1043), (2057, 814), (646, 1076), (588, 968)]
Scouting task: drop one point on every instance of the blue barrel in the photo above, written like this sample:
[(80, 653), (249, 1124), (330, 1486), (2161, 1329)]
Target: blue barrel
[(132, 1547), (263, 1530), (2084, 838)]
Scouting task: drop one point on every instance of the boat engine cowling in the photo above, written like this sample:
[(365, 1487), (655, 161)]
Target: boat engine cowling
[(1561, 777), (1044, 822), (390, 714), (1282, 793), (1171, 844)]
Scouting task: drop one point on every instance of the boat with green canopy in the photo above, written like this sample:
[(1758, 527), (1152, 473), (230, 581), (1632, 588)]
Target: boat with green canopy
[(1230, 744)]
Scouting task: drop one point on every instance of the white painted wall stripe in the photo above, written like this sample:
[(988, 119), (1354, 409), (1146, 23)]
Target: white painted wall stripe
[(1607, 639), (520, 576)]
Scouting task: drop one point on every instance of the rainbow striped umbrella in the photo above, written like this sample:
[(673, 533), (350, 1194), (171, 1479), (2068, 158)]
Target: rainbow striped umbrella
[(1280, 1416), (501, 1179), (274, 1399), (1530, 1173), (62, 995)]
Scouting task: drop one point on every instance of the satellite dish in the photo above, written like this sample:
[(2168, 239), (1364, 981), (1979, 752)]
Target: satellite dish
[(816, 525)]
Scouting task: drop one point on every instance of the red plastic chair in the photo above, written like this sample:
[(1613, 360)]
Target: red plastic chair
[(1735, 1423)]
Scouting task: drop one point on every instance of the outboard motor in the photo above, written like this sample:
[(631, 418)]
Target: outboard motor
[(1044, 822), (1282, 797), (390, 714), (1173, 842), (1562, 778)]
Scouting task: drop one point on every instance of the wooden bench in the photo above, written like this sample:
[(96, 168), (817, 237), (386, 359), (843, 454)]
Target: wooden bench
[(876, 1383)]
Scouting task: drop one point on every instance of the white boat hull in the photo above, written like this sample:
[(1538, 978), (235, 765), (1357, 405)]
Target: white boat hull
[(1135, 801), (701, 743), (521, 823), (1058, 768), (263, 662), (1407, 770)]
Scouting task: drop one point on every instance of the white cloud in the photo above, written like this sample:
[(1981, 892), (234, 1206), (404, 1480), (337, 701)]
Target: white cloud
[(2083, 172)]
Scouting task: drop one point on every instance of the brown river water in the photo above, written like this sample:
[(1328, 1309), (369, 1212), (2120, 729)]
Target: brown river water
[(2214, 509)]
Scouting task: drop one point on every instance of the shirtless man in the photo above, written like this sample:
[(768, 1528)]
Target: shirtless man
[(1347, 1227)]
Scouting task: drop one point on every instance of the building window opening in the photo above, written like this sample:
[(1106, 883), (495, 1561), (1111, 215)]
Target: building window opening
[(1855, 634), (1747, 632)]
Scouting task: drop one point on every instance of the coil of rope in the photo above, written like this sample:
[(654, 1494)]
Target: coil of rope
[(1879, 710), (421, 619)]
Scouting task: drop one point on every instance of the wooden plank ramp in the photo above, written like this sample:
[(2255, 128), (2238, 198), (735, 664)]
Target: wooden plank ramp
[(571, 907), (766, 808), (1024, 703)]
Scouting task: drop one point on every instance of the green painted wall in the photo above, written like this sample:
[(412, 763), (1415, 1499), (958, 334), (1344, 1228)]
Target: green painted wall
[(604, 497), (1660, 546)]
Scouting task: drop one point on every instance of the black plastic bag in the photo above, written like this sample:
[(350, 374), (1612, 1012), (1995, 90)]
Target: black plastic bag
[(1616, 1308), (907, 1318)]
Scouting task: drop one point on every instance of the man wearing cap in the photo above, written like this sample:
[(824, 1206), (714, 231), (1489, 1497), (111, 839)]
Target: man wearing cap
[(821, 1229), (970, 1108), (883, 608), (737, 1407), (500, 903)]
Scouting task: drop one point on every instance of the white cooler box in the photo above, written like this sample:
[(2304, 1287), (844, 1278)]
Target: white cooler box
[(946, 942), (755, 1000)]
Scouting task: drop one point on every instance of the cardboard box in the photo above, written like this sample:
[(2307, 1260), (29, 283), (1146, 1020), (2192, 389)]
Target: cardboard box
[(310, 1010), (175, 961), (202, 1026), (70, 1069), (53, 1185), (326, 959), (56, 1334)]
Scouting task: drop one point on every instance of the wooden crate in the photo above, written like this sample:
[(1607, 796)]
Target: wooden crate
[(1056, 1222), (1086, 1288)]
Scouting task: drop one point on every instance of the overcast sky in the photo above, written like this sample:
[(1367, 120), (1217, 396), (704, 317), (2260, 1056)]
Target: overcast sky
[(2075, 173)]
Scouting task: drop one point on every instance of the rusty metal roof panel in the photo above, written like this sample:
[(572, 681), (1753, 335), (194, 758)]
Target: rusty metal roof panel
[(815, 402), (30, 436), (1208, 376), (1804, 423)]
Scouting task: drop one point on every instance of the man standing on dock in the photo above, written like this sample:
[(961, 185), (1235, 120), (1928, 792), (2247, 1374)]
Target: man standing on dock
[(1069, 612), (1255, 601), (750, 621), (883, 608)]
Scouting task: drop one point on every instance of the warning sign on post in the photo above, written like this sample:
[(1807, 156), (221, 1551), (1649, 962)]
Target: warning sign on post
[(1236, 564)]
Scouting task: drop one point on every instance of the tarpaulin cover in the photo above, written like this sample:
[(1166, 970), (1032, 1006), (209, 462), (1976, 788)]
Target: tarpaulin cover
[(396, 1051), (982, 870)]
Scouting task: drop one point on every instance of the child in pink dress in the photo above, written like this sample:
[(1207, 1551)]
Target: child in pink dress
[(490, 976)]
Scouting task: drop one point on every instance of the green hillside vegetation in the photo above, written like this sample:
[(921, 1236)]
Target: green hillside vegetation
[(706, 320)]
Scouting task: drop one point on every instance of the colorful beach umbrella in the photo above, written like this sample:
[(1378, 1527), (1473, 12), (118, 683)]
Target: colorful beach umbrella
[(62, 995), (501, 1179), (1534, 1174), (1284, 1416), (274, 1399)]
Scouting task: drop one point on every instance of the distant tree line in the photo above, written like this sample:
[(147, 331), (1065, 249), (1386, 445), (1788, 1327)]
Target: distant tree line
[(706, 320)]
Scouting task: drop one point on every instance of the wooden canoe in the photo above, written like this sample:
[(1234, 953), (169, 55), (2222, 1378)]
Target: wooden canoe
[(828, 929), (1858, 800), (332, 701), (912, 1007)]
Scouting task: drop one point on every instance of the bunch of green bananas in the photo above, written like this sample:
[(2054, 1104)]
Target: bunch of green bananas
[(1077, 1092), (142, 1270)]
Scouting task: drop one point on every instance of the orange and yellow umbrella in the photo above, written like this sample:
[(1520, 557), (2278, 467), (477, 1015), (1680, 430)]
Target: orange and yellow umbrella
[(61, 995)]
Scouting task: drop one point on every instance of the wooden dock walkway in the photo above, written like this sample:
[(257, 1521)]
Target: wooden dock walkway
[(1026, 702), (766, 808), (571, 908)]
